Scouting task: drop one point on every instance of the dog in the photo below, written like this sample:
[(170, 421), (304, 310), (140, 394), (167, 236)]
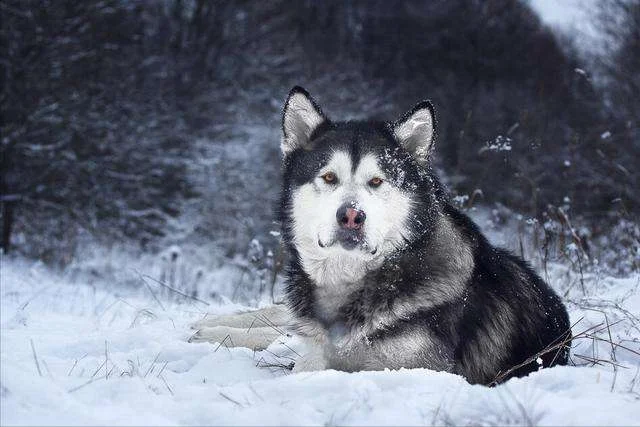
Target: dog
[(384, 272)]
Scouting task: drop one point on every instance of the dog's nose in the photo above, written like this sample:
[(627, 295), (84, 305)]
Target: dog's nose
[(350, 218)]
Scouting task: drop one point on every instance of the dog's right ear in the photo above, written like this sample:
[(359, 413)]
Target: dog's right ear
[(300, 117)]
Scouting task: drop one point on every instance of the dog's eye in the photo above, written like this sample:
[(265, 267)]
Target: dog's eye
[(375, 182), (330, 178)]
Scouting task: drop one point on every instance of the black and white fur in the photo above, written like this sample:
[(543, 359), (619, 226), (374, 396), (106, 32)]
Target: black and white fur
[(402, 279)]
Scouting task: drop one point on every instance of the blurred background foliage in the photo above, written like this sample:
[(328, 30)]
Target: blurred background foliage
[(149, 121)]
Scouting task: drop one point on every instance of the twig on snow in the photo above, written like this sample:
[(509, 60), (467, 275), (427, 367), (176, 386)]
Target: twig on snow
[(35, 357)]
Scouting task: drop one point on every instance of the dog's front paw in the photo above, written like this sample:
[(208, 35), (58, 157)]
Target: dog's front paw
[(209, 322), (255, 338), (276, 315), (213, 334), (314, 361)]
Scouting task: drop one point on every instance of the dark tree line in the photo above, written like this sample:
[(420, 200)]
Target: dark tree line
[(519, 119), (93, 134), (106, 104)]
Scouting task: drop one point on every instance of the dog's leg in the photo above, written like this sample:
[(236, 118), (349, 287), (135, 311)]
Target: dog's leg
[(276, 315), (257, 338), (313, 360), (254, 329), (316, 340)]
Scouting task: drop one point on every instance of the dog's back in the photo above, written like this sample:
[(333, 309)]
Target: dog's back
[(511, 323)]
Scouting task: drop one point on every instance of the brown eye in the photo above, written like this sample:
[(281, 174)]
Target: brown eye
[(375, 182), (330, 178)]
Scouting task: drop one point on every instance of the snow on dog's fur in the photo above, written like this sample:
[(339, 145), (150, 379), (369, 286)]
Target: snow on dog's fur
[(384, 272)]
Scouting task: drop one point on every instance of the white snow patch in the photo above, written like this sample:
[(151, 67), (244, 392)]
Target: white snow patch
[(111, 354)]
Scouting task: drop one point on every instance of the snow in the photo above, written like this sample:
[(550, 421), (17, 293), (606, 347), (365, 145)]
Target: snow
[(154, 376), (575, 17), (562, 13), (500, 143)]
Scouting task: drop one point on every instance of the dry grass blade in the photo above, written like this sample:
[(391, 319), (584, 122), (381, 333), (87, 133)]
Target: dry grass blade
[(172, 289), (46, 367), (35, 357), (150, 289), (272, 325), (566, 339), (599, 362), (264, 364), (75, 362), (562, 341), (162, 369), (144, 312), (228, 337), (98, 370), (613, 354), (279, 356), (106, 360), (71, 390), (614, 344), (110, 371), (292, 350), (255, 392), (635, 378), (166, 385), (230, 399), (253, 322), (152, 365)]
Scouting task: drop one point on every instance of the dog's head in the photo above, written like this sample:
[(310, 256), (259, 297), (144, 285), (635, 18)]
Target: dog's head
[(355, 192)]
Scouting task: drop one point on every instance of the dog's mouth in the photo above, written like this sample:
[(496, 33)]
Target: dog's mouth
[(349, 240)]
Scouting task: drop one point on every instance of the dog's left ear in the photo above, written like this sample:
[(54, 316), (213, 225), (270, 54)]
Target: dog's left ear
[(300, 117), (416, 131)]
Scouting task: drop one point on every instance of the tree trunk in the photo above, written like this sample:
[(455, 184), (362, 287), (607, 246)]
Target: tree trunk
[(7, 224)]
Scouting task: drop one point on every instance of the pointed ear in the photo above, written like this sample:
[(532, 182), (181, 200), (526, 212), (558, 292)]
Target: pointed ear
[(416, 131), (300, 117)]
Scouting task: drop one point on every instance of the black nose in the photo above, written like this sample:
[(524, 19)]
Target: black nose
[(349, 217)]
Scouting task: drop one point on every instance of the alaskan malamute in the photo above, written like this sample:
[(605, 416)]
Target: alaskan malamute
[(383, 271)]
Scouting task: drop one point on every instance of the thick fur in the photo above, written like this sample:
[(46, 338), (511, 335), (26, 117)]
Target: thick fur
[(438, 295), (416, 284)]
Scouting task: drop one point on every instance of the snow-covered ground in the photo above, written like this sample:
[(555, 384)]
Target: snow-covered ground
[(110, 349)]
